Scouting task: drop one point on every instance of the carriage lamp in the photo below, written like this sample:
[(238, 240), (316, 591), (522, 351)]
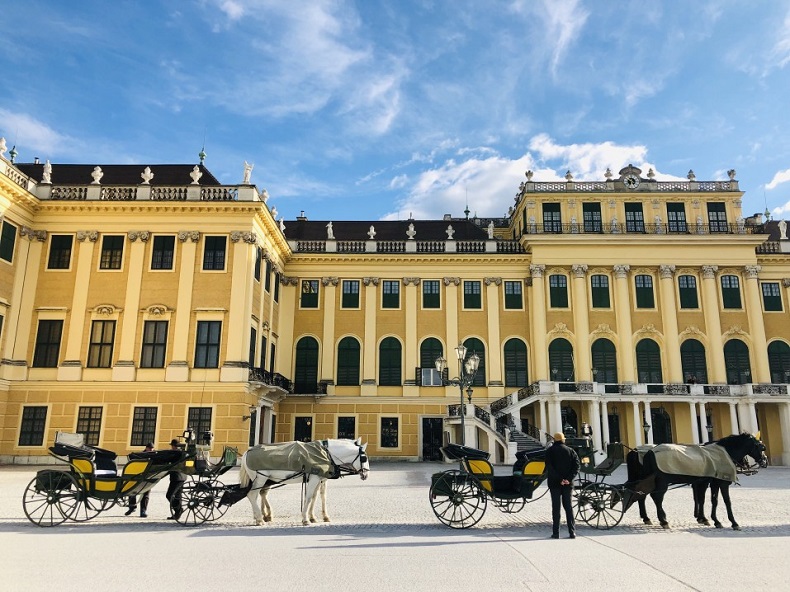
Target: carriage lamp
[(467, 369), (646, 428)]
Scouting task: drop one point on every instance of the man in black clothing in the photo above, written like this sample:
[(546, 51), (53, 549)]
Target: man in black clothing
[(173, 494), (562, 464), (144, 498)]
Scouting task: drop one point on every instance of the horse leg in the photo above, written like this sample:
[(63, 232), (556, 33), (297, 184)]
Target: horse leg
[(699, 489), (266, 508), (256, 512), (725, 495), (714, 504), (643, 511), (658, 499), (322, 490), (308, 503)]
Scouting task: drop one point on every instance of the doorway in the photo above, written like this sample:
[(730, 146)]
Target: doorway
[(432, 428)]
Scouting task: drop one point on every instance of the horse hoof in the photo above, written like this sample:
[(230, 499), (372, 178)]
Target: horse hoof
[(736, 527), (704, 522), (665, 525), (326, 519), (719, 525), (267, 519), (305, 523), (648, 521)]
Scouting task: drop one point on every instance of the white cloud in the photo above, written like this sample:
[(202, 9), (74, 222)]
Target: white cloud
[(27, 131), (399, 181), (588, 161), (779, 178)]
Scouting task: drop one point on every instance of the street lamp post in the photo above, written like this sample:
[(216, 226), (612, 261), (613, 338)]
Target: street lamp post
[(467, 369)]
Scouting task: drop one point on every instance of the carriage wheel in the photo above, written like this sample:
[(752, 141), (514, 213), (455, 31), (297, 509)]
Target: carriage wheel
[(217, 510), (197, 502), (89, 507), (600, 505), (50, 498), (457, 499), (512, 506)]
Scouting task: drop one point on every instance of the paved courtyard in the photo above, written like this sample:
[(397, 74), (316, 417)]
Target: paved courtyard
[(384, 536)]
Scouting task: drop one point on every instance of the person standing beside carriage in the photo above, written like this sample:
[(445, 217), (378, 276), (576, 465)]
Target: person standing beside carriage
[(143, 498), (173, 494), (562, 464)]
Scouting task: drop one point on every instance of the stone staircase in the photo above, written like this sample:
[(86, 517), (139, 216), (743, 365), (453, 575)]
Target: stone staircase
[(525, 441)]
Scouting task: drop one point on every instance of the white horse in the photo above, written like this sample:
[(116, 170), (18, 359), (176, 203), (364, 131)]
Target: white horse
[(344, 457)]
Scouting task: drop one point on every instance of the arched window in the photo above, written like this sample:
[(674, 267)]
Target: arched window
[(692, 361), (779, 361), (604, 360), (648, 361), (515, 363), (561, 360), (306, 371), (474, 345), (390, 362), (430, 349), (347, 362), (736, 360)]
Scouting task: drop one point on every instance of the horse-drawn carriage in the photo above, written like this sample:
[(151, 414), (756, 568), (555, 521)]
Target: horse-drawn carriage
[(459, 497), (93, 483)]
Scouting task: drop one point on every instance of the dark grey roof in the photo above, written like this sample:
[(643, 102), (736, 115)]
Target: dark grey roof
[(118, 174), (385, 230)]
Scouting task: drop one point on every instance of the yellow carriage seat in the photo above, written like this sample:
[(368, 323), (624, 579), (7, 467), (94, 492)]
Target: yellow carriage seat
[(483, 470), (132, 473)]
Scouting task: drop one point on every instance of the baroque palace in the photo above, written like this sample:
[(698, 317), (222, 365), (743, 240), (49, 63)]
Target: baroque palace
[(137, 301)]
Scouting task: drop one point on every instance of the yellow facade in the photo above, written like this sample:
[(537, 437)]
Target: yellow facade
[(578, 303)]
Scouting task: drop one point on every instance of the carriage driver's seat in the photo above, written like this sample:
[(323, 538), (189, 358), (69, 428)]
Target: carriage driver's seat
[(484, 472)]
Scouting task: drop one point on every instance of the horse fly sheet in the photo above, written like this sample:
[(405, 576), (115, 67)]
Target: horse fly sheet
[(310, 457), (695, 461)]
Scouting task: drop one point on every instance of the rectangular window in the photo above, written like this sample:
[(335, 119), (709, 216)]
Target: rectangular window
[(89, 424), (552, 220), (199, 419), (101, 344), (309, 294), (390, 294), (272, 358), (558, 291), (472, 295), (772, 296), (258, 261), (350, 294), (347, 427), (31, 431), (431, 297), (267, 284), (154, 344), (687, 288), (430, 377), (111, 252), (214, 253), (7, 242), (717, 217), (389, 432), (143, 426), (592, 217), (634, 218), (47, 352), (513, 296), (644, 291), (163, 252), (276, 287), (253, 343), (263, 352), (207, 344), (676, 217), (600, 291), (731, 291), (60, 251)]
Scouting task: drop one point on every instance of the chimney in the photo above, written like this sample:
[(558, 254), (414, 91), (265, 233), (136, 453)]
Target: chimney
[(447, 217), (301, 216), (36, 160)]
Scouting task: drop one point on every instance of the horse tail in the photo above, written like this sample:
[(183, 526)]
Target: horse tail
[(244, 476)]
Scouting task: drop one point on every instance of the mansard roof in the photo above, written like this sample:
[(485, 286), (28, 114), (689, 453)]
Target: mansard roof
[(386, 230), (118, 174)]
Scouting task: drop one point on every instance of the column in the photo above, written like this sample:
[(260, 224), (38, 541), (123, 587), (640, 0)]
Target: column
[(710, 308), (703, 423), (555, 418), (581, 322), (289, 297), (669, 318), (542, 419), (125, 368), (327, 371), (594, 412), (537, 318), (178, 369), (734, 419), (637, 423), (494, 353), (784, 425), (411, 354), (604, 420), (451, 317), (237, 351), (369, 346), (71, 367), (649, 420), (693, 419), (623, 316), (754, 312)]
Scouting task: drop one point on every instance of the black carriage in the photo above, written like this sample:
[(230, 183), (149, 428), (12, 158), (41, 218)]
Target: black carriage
[(93, 483), (597, 503)]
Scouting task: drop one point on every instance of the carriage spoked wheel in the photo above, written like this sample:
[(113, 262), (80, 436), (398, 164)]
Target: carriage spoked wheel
[(88, 508), (211, 491), (600, 505), (197, 502), (512, 506), (457, 499), (51, 498)]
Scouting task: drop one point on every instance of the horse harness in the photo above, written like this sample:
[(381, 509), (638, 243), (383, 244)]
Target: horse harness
[(343, 469)]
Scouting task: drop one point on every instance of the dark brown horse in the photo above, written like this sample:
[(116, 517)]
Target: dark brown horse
[(646, 478)]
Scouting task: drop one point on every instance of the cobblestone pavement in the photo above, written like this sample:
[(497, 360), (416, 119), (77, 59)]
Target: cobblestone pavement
[(384, 536)]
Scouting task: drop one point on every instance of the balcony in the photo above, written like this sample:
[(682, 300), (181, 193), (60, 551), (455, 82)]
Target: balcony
[(271, 379), (146, 193), (677, 228), (406, 246)]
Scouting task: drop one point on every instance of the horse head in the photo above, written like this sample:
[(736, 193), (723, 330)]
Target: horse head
[(349, 456), (743, 446), (757, 451)]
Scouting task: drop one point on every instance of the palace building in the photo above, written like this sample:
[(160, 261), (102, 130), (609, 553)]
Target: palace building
[(137, 301)]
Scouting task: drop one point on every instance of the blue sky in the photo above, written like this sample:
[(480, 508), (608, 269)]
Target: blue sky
[(375, 109)]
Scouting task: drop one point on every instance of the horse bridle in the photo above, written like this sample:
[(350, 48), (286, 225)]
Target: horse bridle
[(343, 469), (746, 467)]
